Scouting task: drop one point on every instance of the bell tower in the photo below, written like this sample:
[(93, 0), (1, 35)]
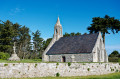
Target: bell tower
[(57, 35), (58, 30)]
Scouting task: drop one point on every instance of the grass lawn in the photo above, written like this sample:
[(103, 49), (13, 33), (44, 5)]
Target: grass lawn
[(107, 76), (22, 61), (40, 60)]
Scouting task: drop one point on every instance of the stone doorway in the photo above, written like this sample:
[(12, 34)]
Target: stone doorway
[(63, 59)]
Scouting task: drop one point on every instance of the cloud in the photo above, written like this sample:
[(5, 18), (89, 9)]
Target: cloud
[(15, 11)]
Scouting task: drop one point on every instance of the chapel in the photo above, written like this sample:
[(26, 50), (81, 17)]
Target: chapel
[(80, 48)]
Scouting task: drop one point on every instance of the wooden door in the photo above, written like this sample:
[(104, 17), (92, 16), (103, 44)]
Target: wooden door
[(63, 59)]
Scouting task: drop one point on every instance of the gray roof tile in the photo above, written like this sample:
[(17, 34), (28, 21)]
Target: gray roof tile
[(74, 44)]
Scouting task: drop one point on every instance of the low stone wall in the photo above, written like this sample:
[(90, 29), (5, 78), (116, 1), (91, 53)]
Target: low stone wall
[(8, 70)]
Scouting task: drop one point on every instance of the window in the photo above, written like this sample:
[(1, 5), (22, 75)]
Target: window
[(56, 31)]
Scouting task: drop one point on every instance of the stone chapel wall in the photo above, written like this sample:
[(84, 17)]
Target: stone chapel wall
[(83, 57)]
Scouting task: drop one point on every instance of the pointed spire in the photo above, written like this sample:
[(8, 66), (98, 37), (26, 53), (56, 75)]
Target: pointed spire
[(58, 21)]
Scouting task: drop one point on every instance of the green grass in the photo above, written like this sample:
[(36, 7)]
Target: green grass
[(107, 76), (40, 60), (22, 61)]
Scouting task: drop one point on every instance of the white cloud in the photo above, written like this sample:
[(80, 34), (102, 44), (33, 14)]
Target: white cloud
[(15, 11)]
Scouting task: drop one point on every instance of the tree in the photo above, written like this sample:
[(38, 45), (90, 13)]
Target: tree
[(9, 33), (104, 25), (85, 34), (23, 42), (38, 43), (16, 30), (78, 33), (71, 34), (66, 34), (115, 53), (6, 34), (46, 43), (114, 56)]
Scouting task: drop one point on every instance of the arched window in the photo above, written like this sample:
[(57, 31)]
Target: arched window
[(56, 31)]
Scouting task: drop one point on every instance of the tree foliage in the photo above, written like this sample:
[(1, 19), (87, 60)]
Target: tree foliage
[(71, 34), (4, 56), (6, 34), (46, 43), (37, 44), (10, 33), (104, 25), (23, 42), (114, 56), (115, 53)]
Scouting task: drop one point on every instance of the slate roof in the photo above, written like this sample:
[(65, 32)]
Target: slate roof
[(74, 44)]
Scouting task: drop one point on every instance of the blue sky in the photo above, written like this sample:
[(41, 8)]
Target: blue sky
[(75, 15)]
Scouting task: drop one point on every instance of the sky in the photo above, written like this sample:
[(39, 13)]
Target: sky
[(75, 16)]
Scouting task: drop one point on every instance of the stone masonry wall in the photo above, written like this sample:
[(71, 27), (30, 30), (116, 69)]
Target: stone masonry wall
[(18, 70), (85, 57)]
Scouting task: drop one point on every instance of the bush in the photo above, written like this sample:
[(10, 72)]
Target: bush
[(113, 59), (57, 63), (69, 63), (119, 60), (88, 69), (4, 56), (57, 74), (5, 64), (117, 70), (115, 53), (35, 65)]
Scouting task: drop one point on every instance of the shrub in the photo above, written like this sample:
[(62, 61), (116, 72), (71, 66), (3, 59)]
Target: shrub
[(88, 69), (4, 56), (119, 60), (113, 59), (13, 64), (117, 71), (35, 65), (57, 63), (112, 69), (5, 64), (7, 55), (57, 74), (84, 64), (69, 63), (115, 53)]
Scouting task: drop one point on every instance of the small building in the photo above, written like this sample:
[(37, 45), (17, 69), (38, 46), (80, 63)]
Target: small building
[(80, 48)]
